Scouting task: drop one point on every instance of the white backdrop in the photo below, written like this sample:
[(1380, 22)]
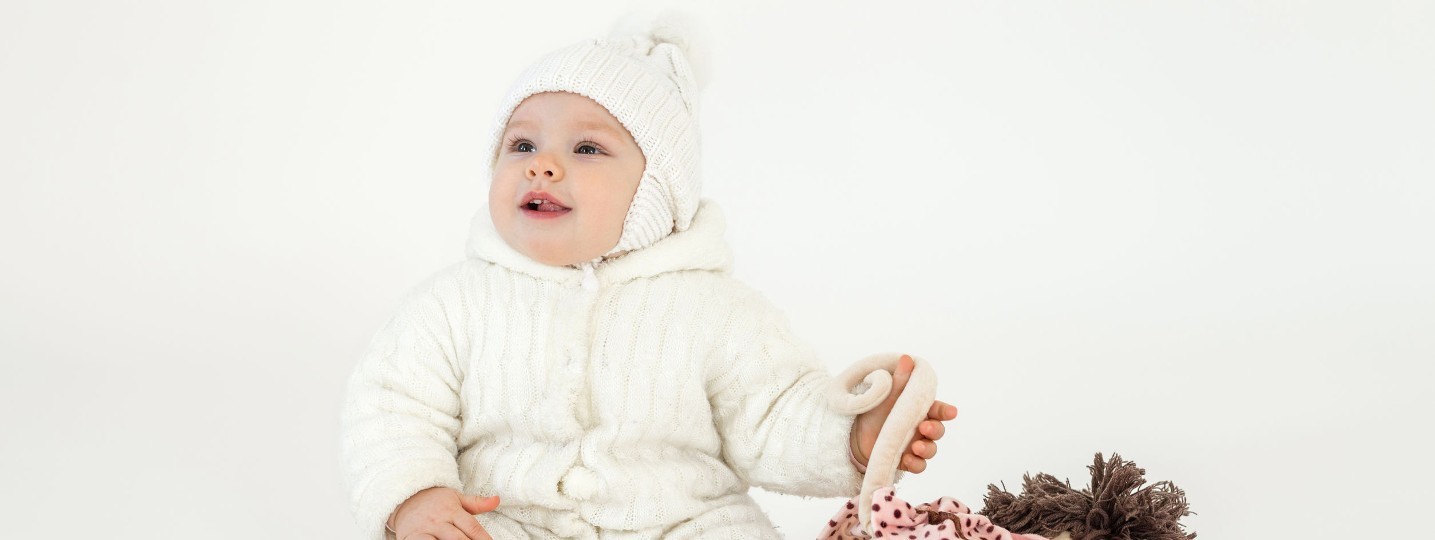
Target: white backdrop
[(1194, 233)]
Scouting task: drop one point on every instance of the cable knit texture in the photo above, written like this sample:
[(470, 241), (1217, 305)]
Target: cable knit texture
[(644, 407)]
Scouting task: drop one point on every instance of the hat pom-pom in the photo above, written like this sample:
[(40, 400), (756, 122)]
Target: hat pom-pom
[(674, 27)]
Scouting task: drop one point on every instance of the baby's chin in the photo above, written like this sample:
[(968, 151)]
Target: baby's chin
[(561, 255), (557, 259), (553, 243)]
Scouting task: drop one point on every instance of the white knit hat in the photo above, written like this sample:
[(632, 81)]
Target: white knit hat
[(647, 81)]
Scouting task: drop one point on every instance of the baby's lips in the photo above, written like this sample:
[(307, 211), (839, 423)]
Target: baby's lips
[(547, 198)]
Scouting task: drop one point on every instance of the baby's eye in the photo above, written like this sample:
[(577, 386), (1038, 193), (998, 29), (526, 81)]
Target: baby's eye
[(517, 144), (586, 146)]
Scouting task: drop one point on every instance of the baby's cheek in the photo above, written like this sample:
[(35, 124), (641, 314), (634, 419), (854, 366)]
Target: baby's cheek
[(608, 226)]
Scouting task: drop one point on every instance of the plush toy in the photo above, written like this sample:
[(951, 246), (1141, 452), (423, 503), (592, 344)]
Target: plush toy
[(1116, 506)]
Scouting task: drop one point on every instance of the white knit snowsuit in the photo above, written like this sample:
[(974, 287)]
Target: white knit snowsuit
[(642, 404)]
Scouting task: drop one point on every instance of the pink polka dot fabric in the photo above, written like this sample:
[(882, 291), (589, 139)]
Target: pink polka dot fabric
[(897, 519)]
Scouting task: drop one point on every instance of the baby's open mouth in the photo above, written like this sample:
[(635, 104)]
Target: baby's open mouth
[(544, 205)]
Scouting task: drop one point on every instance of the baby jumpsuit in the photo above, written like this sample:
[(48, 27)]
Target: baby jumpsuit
[(637, 401)]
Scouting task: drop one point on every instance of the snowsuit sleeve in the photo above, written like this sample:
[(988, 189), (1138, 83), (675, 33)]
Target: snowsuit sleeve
[(769, 396), (400, 420)]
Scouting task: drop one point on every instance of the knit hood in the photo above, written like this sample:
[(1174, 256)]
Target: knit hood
[(700, 247)]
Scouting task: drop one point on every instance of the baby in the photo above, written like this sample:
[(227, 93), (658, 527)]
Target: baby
[(592, 361)]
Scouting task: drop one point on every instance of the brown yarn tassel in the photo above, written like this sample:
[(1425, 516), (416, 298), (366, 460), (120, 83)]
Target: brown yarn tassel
[(1116, 507)]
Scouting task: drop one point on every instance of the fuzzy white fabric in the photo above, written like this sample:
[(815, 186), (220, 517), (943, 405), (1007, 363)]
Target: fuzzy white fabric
[(647, 82), (643, 407)]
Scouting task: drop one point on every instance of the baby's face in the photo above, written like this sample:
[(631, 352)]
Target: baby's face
[(569, 152)]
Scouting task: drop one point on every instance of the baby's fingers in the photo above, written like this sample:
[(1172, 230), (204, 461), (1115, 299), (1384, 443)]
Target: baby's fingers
[(479, 505), (913, 463), (942, 411), (932, 429), (470, 527), (924, 449), (447, 531)]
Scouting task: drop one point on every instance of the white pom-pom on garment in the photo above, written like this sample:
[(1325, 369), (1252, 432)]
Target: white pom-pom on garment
[(580, 483)]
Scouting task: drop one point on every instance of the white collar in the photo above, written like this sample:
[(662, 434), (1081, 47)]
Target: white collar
[(700, 247)]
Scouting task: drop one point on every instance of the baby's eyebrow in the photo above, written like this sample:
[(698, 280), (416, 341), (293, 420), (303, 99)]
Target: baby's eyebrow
[(582, 124), (517, 123), (601, 126)]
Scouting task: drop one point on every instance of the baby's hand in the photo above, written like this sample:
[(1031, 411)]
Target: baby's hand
[(924, 442), (441, 513)]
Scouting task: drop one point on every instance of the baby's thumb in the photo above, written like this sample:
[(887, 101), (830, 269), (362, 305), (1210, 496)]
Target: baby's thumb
[(474, 504), (900, 375), (905, 365)]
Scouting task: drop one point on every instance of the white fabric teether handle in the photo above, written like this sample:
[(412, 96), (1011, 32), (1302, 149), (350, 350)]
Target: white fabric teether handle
[(909, 411)]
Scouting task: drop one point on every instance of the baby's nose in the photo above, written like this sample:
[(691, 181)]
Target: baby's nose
[(543, 169)]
